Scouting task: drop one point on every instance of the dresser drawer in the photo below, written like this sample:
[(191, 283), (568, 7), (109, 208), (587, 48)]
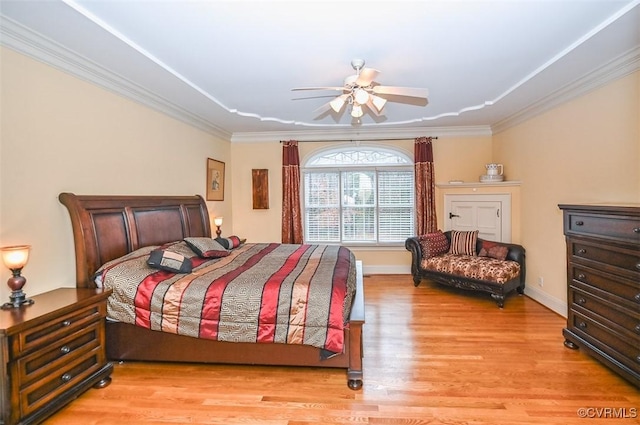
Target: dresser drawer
[(54, 357), (55, 329), (625, 229), (625, 321), (623, 349), (44, 391), (606, 285), (626, 262)]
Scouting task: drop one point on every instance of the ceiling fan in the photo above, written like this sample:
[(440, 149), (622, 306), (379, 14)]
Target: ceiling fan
[(361, 90)]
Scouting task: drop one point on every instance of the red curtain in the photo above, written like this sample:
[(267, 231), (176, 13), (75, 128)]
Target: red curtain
[(291, 210), (426, 221)]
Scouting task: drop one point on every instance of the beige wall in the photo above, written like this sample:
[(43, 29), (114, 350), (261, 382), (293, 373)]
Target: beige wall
[(586, 150), (58, 134)]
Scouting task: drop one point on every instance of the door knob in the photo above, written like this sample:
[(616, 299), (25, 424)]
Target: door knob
[(451, 215)]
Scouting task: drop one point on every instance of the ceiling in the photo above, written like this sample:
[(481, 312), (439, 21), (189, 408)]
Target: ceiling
[(228, 67)]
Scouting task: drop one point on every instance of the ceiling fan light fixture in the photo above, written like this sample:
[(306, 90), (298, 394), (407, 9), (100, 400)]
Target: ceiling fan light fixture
[(337, 104), (361, 96), (378, 102), (356, 111)]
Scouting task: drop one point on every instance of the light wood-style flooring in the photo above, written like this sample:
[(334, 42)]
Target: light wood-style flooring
[(433, 355)]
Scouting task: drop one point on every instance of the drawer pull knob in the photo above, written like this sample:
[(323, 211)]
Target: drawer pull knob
[(637, 297), (638, 359), (582, 276), (637, 230), (66, 377), (582, 251), (583, 325), (66, 323), (582, 301), (65, 349), (579, 223), (638, 327), (638, 266)]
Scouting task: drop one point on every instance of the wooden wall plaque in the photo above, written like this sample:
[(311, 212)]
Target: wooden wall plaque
[(260, 180)]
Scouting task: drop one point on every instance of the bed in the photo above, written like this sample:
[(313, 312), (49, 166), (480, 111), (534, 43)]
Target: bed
[(108, 229)]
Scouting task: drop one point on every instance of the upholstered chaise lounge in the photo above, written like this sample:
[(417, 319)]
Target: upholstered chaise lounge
[(462, 260)]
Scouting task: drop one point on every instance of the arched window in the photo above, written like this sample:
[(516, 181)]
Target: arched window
[(358, 195)]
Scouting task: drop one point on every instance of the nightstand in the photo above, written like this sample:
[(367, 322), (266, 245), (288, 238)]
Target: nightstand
[(51, 352)]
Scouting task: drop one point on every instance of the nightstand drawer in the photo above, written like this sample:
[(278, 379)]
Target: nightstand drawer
[(55, 329), (55, 357), (44, 391), (626, 229)]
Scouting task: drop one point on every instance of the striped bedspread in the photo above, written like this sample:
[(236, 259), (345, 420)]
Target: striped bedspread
[(263, 293)]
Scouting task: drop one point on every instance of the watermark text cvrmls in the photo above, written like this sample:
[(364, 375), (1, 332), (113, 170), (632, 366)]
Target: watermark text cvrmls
[(608, 412)]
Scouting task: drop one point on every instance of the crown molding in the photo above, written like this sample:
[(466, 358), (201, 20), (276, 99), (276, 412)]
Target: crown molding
[(364, 134), (620, 67), (27, 42)]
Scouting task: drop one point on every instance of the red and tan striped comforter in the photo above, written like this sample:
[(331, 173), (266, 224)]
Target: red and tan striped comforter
[(264, 293)]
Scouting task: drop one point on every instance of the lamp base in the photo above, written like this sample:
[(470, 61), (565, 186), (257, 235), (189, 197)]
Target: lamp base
[(16, 300)]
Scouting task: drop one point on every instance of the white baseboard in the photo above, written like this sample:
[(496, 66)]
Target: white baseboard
[(552, 303), (386, 269)]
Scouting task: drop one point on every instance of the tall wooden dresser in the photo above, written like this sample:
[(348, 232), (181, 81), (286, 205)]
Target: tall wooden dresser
[(603, 279)]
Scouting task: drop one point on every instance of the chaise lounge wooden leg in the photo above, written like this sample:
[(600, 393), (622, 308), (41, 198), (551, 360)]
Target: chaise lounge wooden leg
[(499, 299)]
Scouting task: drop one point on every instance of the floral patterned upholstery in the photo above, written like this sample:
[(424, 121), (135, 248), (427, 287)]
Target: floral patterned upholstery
[(481, 268)]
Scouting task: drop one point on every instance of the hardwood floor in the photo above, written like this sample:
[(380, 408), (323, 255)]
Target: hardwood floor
[(433, 355)]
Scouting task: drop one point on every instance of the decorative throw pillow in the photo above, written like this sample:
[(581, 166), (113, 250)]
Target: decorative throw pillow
[(493, 250), (463, 242), (169, 261), (433, 244), (230, 242), (207, 247)]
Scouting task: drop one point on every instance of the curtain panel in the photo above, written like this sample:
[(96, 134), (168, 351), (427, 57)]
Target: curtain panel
[(291, 209), (426, 220)]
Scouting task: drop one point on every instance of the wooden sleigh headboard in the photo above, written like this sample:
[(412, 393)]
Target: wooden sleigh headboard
[(108, 227)]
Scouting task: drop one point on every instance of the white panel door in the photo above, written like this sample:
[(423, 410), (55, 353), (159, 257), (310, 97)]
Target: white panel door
[(489, 214)]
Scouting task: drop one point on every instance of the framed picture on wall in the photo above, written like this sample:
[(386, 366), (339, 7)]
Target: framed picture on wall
[(215, 180)]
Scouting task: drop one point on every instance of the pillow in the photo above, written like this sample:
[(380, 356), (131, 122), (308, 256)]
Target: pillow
[(230, 242), (207, 247), (493, 250), (169, 261), (433, 244), (463, 242)]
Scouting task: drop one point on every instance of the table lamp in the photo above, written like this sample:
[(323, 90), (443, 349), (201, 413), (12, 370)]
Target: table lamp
[(15, 258), (218, 222)]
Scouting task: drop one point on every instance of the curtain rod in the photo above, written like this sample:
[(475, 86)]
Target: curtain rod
[(354, 140)]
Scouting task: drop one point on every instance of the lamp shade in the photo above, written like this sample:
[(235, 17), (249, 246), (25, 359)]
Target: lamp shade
[(356, 111), (15, 257), (217, 221)]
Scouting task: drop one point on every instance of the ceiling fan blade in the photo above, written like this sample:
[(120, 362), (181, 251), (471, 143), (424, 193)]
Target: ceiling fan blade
[(402, 91), (366, 77), (323, 108), (317, 88)]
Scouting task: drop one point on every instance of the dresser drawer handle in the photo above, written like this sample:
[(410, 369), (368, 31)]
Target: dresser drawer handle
[(579, 223), (582, 301), (583, 325), (582, 251), (638, 266), (66, 323), (637, 297), (638, 359), (638, 328), (636, 230), (582, 277), (65, 349), (66, 377)]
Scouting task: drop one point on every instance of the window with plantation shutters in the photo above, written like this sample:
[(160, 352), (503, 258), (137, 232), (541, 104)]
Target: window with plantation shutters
[(358, 196)]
